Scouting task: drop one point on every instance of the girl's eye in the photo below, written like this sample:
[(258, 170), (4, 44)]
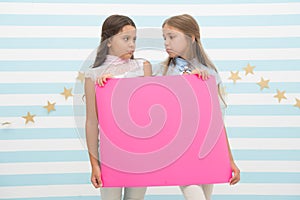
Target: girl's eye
[(126, 38)]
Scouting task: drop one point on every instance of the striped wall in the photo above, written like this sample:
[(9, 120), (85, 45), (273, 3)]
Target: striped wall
[(42, 48)]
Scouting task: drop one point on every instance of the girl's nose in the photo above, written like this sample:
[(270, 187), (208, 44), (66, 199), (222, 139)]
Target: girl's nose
[(132, 43), (166, 43)]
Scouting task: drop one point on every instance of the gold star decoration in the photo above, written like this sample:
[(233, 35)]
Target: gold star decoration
[(297, 103), (28, 118), (234, 76), (67, 93), (249, 69), (50, 106), (263, 83), (280, 95), (80, 77)]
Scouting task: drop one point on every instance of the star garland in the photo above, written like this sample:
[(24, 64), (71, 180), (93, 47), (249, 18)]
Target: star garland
[(50, 106), (67, 93), (28, 118), (249, 69), (264, 83), (234, 76)]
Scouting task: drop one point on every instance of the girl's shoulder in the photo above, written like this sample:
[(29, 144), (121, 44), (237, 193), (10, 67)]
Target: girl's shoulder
[(210, 70), (215, 74), (158, 69), (140, 61), (94, 72)]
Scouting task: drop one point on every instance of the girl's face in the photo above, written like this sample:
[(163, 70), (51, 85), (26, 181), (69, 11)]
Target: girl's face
[(123, 43), (176, 42)]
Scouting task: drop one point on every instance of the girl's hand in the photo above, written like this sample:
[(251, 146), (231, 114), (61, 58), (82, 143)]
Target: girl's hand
[(96, 177), (102, 80), (236, 174), (201, 73)]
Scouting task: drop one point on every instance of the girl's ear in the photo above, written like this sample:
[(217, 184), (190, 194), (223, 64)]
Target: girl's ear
[(108, 42), (193, 38)]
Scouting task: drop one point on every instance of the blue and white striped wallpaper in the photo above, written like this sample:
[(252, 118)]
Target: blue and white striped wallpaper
[(43, 44)]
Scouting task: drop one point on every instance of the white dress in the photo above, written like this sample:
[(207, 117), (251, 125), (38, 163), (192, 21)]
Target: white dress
[(118, 68)]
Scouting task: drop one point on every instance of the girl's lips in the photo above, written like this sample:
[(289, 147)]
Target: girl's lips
[(169, 51), (130, 52), (127, 55)]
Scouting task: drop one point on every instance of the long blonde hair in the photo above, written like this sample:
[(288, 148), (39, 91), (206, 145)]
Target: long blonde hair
[(189, 26)]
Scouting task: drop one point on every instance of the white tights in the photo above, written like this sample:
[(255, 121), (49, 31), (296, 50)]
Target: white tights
[(197, 192), (130, 193)]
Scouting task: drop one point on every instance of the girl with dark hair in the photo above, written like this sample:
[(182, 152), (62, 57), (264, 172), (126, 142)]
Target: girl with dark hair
[(114, 59)]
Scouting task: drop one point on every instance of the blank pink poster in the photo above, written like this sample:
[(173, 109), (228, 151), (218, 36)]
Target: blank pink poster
[(161, 131)]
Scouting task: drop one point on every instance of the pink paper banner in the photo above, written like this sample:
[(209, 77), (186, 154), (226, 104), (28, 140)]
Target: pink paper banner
[(159, 131)]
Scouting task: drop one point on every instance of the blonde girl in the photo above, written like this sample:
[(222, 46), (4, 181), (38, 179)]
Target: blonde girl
[(187, 56)]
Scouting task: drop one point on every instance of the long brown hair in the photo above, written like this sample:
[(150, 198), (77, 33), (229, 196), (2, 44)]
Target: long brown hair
[(111, 26)]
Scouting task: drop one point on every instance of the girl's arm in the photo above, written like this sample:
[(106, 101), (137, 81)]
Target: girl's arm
[(147, 68), (91, 129), (236, 171)]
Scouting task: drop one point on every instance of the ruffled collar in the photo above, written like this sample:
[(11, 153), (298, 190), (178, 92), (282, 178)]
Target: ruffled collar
[(182, 65), (114, 60)]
